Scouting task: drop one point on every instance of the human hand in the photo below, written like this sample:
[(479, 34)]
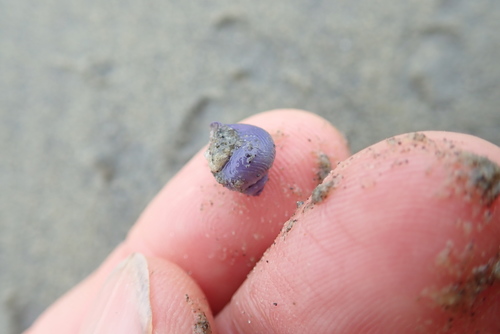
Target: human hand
[(404, 239)]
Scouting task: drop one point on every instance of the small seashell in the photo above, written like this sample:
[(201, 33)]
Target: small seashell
[(239, 156)]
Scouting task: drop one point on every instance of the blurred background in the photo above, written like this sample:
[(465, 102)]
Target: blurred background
[(101, 102)]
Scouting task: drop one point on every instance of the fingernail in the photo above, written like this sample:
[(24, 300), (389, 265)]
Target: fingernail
[(123, 304)]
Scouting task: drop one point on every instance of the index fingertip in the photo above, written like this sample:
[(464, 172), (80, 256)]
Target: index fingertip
[(217, 234)]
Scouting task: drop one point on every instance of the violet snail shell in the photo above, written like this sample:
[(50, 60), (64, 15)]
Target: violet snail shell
[(240, 156)]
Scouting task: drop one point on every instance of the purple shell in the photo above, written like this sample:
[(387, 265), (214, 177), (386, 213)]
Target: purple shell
[(239, 156)]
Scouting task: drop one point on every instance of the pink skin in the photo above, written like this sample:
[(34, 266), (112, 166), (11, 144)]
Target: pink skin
[(378, 255)]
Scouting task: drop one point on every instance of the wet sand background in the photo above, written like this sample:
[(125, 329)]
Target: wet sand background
[(101, 102)]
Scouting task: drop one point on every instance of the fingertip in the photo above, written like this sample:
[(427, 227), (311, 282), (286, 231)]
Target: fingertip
[(404, 239)]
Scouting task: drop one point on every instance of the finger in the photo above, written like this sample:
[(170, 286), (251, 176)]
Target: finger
[(214, 234), (402, 237), (143, 296), (217, 235)]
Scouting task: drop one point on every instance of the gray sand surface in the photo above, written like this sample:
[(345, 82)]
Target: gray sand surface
[(96, 98)]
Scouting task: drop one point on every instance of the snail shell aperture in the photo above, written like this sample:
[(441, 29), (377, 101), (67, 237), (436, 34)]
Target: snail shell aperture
[(239, 156)]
